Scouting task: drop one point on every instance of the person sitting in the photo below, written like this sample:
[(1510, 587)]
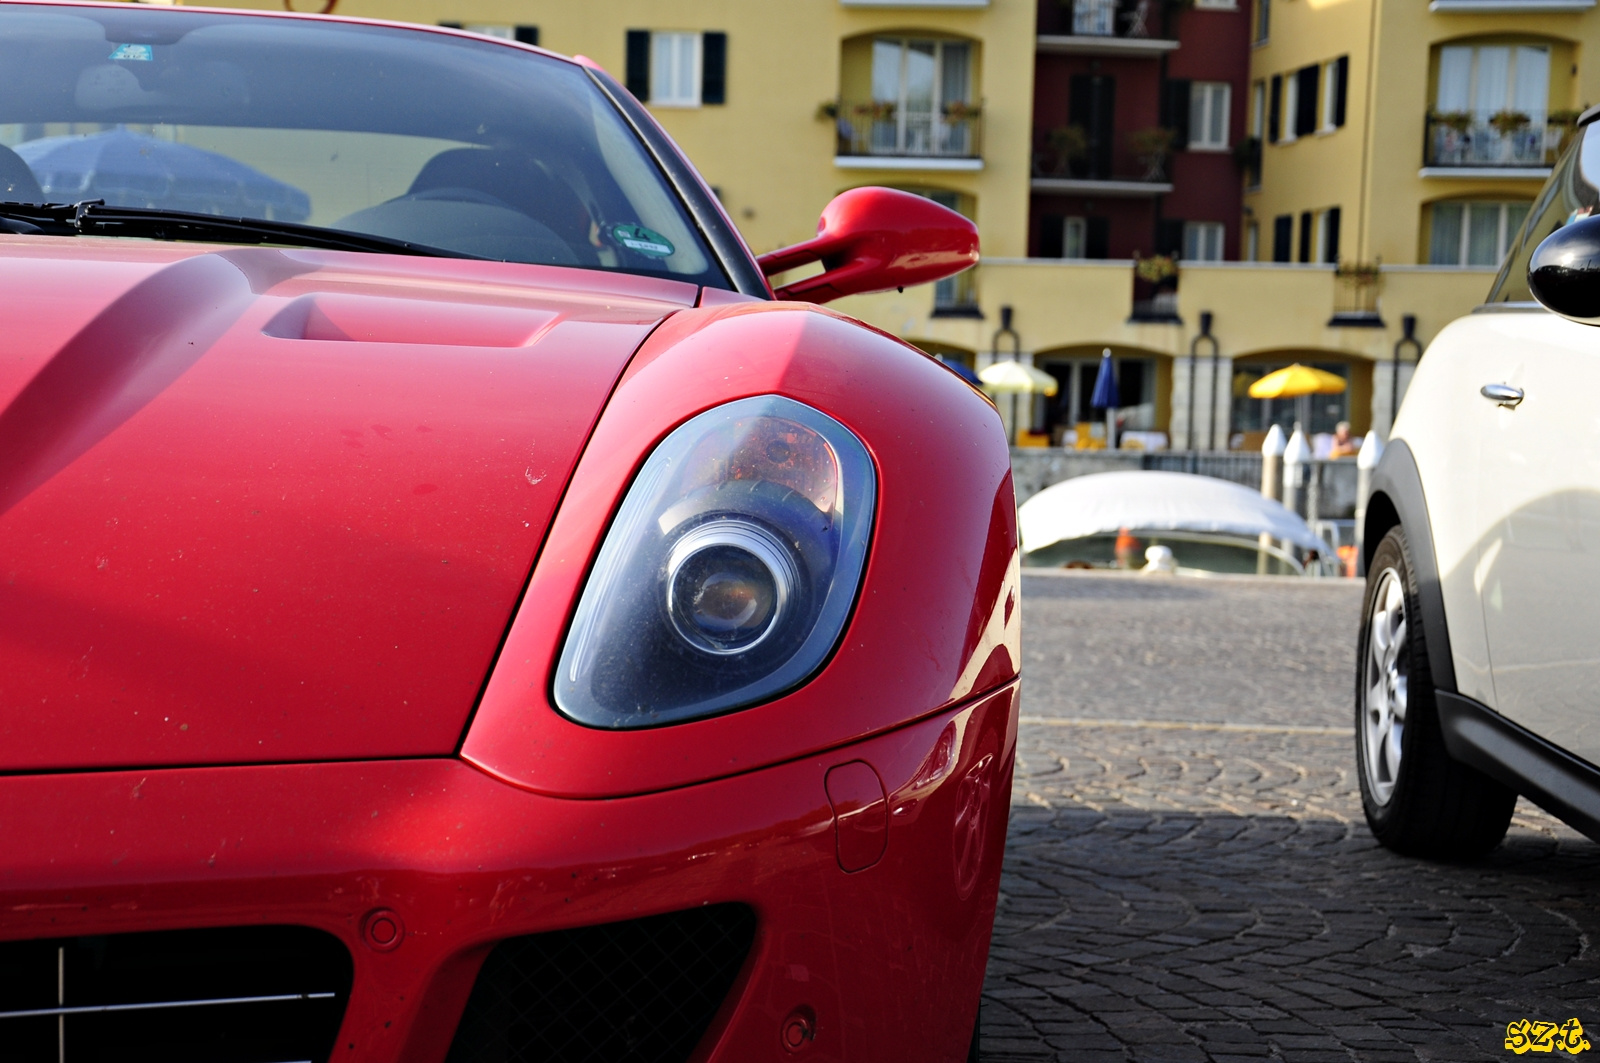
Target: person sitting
[(1344, 446)]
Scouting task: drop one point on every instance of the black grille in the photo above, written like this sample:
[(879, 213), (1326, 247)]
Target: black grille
[(643, 991), (272, 994)]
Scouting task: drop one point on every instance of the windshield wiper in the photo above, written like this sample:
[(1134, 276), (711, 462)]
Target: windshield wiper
[(93, 218)]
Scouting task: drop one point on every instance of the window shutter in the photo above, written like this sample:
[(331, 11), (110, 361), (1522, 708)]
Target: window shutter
[(638, 75), (1305, 236), (1175, 93), (1097, 237), (1305, 104), (1169, 236), (452, 25), (1331, 225), (1052, 236), (714, 68), (527, 35), (1275, 110), (1341, 88), (1283, 238)]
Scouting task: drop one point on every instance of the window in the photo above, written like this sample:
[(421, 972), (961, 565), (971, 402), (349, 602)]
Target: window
[(1325, 240), (1202, 241), (521, 34), (1259, 415), (1335, 76), (1074, 238), (953, 293), (1252, 242), (1216, 5), (1488, 79), (1258, 110), (677, 69), (1263, 20), (1209, 102), (1291, 106), (920, 81), (1473, 234)]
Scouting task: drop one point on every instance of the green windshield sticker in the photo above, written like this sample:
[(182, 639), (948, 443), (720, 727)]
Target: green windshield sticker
[(645, 241), (134, 52)]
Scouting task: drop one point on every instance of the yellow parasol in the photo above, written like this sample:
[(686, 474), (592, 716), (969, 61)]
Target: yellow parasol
[(1297, 380), (1014, 378)]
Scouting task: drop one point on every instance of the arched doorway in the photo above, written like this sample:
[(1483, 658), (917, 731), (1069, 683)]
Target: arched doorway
[(1252, 418), (1144, 396)]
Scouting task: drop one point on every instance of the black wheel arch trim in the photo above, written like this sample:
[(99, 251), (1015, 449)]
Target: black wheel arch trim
[(1397, 498), (1564, 785)]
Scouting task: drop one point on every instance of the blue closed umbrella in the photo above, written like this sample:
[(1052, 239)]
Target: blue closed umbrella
[(128, 169), (1105, 385), (1105, 396), (959, 369)]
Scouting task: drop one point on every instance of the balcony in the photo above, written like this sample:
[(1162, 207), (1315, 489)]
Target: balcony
[(876, 135), (1106, 27), (1461, 144), (1069, 160)]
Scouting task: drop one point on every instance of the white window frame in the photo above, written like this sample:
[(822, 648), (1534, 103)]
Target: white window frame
[(1207, 236), (492, 29), (1504, 234), (1319, 238), (1203, 103), (1252, 242), (1075, 231), (1216, 5), (1258, 109), (1330, 80), (668, 78)]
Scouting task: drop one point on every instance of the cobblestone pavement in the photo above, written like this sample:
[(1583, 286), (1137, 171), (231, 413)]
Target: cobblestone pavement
[(1189, 876)]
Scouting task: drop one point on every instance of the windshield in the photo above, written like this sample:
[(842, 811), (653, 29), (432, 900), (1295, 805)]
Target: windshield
[(1570, 193), (449, 142)]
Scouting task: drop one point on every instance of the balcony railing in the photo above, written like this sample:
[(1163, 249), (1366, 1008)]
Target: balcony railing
[(1114, 18), (886, 129), (1501, 140)]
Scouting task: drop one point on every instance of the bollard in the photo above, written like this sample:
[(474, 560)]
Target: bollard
[(1296, 456), (1271, 485), (1366, 461)]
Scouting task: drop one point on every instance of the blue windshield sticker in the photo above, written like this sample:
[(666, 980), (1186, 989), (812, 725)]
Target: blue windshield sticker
[(134, 52), (645, 241)]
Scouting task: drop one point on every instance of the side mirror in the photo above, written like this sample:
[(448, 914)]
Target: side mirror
[(874, 239), (1564, 272)]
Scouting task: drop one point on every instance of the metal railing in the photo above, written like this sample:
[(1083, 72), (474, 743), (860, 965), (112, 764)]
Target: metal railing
[(1115, 18), (1473, 140), (876, 128)]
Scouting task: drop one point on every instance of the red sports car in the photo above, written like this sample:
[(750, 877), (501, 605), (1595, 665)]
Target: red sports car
[(451, 606)]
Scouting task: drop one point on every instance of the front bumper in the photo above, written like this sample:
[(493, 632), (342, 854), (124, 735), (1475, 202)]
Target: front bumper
[(888, 959)]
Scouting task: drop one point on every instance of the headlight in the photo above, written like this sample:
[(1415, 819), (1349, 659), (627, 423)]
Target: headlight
[(729, 572)]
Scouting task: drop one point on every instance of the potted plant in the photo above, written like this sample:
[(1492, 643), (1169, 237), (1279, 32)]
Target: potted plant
[(1456, 121), (961, 110), (1156, 269), (1068, 144), (1508, 122), (1151, 147)]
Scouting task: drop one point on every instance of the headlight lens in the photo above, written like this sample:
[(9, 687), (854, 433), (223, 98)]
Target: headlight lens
[(729, 572)]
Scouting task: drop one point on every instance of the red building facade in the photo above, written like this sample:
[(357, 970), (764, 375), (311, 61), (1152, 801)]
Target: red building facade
[(1139, 114)]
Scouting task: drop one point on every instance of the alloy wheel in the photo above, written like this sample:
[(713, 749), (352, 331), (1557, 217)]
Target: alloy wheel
[(1387, 664)]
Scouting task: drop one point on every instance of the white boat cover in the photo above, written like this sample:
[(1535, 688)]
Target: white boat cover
[(1107, 502)]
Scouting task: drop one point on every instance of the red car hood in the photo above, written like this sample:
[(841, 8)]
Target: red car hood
[(263, 505)]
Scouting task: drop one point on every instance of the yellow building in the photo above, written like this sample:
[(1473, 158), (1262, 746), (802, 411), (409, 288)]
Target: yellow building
[(783, 105)]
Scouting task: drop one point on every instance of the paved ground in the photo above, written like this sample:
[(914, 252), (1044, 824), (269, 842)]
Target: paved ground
[(1189, 876)]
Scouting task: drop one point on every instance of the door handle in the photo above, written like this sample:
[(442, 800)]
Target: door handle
[(1502, 395)]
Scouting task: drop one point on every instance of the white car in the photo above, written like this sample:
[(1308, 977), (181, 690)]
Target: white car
[(1478, 676)]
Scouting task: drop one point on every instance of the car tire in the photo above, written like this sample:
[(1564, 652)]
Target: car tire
[(1418, 799)]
